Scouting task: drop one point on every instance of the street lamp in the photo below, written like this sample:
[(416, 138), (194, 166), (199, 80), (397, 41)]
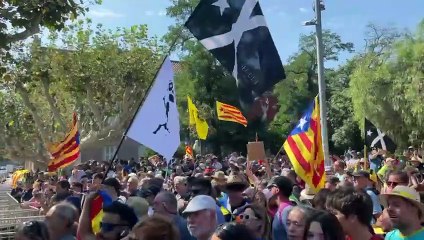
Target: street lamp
[(321, 82)]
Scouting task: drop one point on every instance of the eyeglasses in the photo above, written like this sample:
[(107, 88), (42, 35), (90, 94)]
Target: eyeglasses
[(108, 227)]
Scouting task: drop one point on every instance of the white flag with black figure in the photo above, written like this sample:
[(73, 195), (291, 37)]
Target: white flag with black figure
[(157, 124), (236, 33), (374, 137)]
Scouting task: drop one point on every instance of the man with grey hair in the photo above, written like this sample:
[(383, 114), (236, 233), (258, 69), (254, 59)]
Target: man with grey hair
[(60, 221), (181, 192), (201, 217), (165, 204)]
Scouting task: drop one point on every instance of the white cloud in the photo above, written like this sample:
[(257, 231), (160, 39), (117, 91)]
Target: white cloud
[(303, 10), (162, 13), (104, 13)]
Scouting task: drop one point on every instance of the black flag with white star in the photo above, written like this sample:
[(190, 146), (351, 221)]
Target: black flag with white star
[(376, 138), (236, 33)]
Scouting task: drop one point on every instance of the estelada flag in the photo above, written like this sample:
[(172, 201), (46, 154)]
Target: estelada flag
[(304, 148), (226, 112), (67, 151)]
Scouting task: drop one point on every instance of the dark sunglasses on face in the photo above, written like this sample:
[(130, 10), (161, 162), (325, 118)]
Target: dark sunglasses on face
[(392, 184), (247, 217), (108, 227)]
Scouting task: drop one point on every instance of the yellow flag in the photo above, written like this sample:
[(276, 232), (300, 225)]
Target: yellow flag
[(201, 125)]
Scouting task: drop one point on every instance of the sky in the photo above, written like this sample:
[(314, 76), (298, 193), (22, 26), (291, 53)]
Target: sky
[(348, 18)]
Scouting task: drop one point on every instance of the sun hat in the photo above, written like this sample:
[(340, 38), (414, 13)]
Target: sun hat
[(219, 176), (406, 193), (307, 194)]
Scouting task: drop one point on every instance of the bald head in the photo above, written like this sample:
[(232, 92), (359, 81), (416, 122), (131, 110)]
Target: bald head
[(169, 199)]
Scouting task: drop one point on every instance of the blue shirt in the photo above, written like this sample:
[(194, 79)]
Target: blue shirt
[(219, 216), (376, 206), (397, 235), (279, 228)]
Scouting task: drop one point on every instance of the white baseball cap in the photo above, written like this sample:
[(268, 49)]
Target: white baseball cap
[(199, 203)]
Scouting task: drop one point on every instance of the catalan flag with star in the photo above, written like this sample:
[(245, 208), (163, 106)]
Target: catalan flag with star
[(304, 148), (67, 151), (230, 113)]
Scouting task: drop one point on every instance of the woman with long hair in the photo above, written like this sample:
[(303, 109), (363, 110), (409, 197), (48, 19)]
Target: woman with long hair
[(323, 226), (256, 220)]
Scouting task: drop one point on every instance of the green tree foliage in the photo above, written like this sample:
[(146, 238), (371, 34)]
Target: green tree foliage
[(297, 91), (20, 20), (101, 74), (387, 84)]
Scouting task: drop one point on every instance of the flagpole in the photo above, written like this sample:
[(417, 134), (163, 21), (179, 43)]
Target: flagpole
[(319, 6), (112, 161)]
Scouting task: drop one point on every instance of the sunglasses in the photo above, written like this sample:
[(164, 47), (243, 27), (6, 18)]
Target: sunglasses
[(247, 217), (392, 184), (108, 227)]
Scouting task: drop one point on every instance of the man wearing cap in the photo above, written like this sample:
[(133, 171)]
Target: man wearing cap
[(362, 181), (281, 187), (406, 213), (201, 217)]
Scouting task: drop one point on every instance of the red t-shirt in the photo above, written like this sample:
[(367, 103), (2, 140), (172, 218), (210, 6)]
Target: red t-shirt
[(374, 237)]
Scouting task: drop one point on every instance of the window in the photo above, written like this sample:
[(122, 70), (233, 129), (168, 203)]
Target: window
[(109, 151)]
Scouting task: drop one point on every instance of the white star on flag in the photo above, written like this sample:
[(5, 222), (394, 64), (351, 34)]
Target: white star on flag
[(222, 4), (243, 24), (302, 123), (369, 132)]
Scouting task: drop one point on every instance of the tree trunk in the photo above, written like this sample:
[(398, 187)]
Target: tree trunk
[(96, 112), (51, 101), (37, 119)]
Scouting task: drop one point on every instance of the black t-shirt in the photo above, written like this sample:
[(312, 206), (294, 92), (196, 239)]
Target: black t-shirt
[(26, 195)]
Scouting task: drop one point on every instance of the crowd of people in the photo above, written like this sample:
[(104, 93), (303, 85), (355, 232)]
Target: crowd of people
[(230, 198)]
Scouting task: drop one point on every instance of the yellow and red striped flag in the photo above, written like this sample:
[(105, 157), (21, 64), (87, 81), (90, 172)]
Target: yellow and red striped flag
[(189, 151), (230, 113), (67, 151), (304, 148)]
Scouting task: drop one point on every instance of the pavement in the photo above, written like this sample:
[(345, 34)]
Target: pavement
[(6, 186)]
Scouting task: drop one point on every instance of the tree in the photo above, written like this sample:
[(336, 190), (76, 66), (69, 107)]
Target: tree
[(297, 91), (387, 83), (101, 74), (20, 20)]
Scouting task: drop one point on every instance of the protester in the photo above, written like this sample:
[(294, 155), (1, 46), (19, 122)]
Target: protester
[(232, 231), (32, 230), (323, 225), (154, 228), (354, 210), (406, 213), (201, 217), (296, 222), (165, 204), (255, 219), (60, 220), (281, 187)]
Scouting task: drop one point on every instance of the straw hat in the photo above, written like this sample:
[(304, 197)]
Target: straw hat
[(219, 176), (307, 194), (406, 193), (235, 180)]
